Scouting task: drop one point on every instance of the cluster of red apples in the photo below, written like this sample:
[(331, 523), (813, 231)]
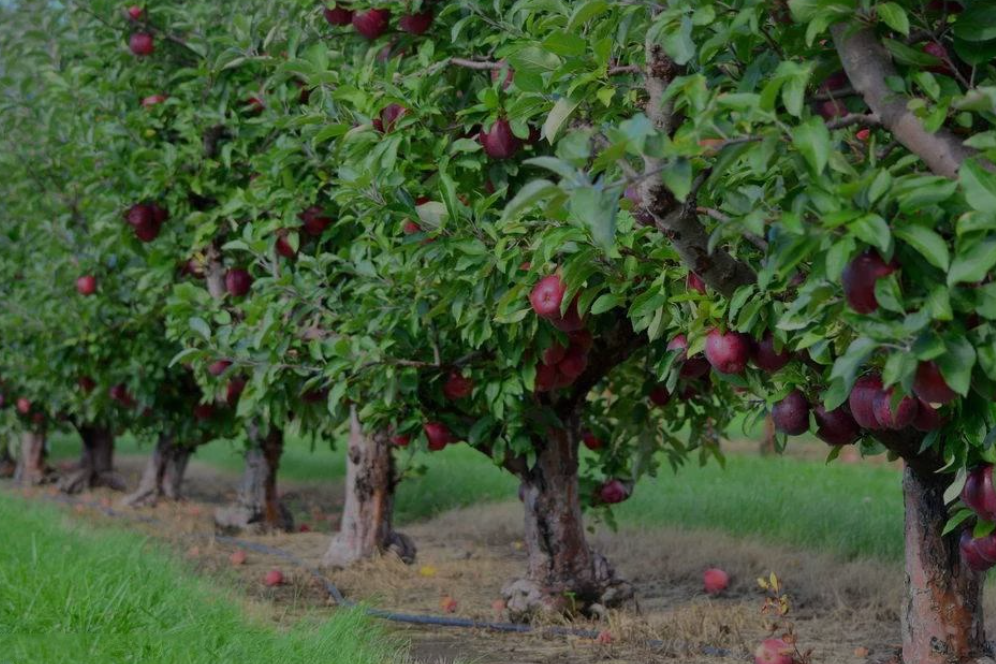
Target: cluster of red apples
[(374, 22), (560, 366), (146, 219)]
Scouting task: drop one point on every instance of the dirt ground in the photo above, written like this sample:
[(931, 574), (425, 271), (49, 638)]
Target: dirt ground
[(845, 612)]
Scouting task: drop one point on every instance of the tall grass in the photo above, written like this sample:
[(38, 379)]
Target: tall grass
[(69, 594)]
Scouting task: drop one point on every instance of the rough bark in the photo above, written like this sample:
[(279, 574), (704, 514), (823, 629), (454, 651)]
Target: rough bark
[(565, 574), (868, 66), (96, 467), (32, 467), (366, 528), (7, 463), (163, 474), (258, 507), (942, 616)]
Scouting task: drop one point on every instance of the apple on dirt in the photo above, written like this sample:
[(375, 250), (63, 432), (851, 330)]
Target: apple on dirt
[(715, 581), (774, 651), (273, 578), (238, 557)]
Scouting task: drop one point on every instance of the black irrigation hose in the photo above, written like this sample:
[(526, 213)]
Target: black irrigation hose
[(407, 618)]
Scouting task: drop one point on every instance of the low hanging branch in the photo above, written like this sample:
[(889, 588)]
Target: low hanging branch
[(868, 66)]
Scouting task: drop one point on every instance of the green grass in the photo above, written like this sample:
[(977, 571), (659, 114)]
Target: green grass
[(850, 510), (69, 594)]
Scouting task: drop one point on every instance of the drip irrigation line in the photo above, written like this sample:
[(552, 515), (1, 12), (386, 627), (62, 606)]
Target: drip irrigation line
[(392, 616)]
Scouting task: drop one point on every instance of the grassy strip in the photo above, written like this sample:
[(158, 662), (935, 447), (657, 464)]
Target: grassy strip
[(74, 594), (851, 510)]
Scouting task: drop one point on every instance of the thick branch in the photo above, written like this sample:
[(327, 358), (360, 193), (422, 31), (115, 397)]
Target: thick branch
[(678, 221), (610, 350), (868, 66)]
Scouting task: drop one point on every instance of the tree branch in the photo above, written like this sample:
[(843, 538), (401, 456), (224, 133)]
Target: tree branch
[(868, 66)]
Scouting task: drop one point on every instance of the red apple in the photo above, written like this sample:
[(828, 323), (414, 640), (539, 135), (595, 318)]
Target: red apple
[(135, 13), (693, 282), (727, 353), (273, 578), (284, 247), (571, 321), (554, 354), (774, 651), (927, 418), (547, 296), (401, 440), (338, 15), (659, 396), (147, 232), (23, 406), (979, 494), (86, 285), (766, 358), (234, 390), (715, 581), (591, 441), (219, 367), (791, 414), (448, 604), (142, 44), (237, 282), (438, 434), (836, 427), (416, 24), (371, 23), (389, 116), (203, 411), (152, 100), (938, 51), (139, 214), (410, 227), (612, 492), (835, 81), (859, 280), (970, 552), (862, 401), (863, 134), (238, 557), (457, 386), (546, 377), (930, 385), (574, 363), (254, 105), (315, 222), (499, 142), (832, 108), (86, 384), (898, 416)]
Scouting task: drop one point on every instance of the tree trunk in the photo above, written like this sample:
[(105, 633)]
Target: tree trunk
[(31, 465), (768, 446), (7, 463), (257, 506), (163, 474), (96, 467), (942, 617), (366, 527), (565, 575)]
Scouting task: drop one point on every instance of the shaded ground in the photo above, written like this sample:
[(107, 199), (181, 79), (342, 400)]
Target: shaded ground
[(845, 611)]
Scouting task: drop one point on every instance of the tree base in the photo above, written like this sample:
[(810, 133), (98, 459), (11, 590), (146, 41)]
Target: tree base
[(342, 551), (526, 598), (243, 519), (82, 479), (7, 468), (163, 475)]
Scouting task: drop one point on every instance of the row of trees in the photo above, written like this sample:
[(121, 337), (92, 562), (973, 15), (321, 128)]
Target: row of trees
[(528, 228)]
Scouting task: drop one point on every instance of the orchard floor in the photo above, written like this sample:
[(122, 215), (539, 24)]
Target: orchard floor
[(846, 611)]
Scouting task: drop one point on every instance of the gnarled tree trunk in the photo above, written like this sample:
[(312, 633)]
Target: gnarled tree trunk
[(257, 506), (942, 618), (163, 474), (7, 463), (32, 467), (96, 462), (366, 527), (565, 574)]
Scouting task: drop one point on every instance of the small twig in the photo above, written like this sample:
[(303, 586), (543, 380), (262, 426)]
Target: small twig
[(863, 119), (830, 95)]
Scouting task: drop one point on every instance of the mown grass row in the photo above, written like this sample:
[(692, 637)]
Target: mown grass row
[(72, 594)]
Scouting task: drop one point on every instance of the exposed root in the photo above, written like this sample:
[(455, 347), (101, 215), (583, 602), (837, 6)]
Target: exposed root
[(342, 551)]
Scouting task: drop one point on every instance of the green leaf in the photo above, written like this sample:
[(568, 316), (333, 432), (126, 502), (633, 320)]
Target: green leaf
[(596, 209), (979, 186), (678, 178), (977, 23), (533, 60), (529, 195), (974, 264), (812, 139), (894, 16), (606, 302), (931, 245), (558, 116), (871, 228), (956, 364), (201, 327)]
